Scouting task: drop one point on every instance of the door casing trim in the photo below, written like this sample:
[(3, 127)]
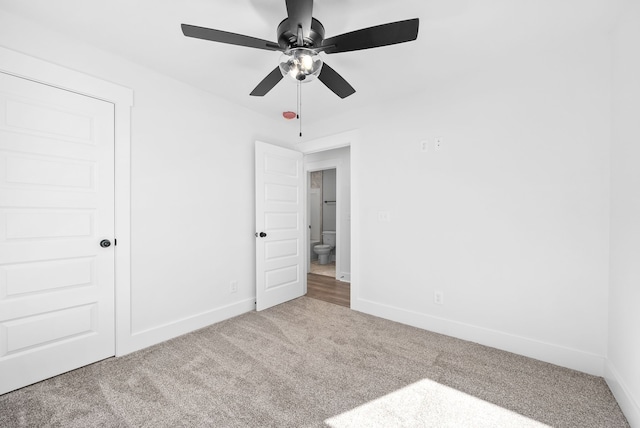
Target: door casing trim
[(351, 139), (27, 67)]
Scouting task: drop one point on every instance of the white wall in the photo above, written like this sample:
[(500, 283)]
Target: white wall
[(192, 187), (329, 194), (510, 220), (342, 158), (623, 370)]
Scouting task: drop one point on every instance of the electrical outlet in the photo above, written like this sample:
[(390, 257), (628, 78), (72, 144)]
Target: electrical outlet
[(424, 145), (233, 286), (438, 297)]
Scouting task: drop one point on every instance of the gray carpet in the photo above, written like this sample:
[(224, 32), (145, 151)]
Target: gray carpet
[(308, 363)]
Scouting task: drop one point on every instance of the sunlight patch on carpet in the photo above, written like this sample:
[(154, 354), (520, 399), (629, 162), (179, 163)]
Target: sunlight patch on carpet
[(429, 404)]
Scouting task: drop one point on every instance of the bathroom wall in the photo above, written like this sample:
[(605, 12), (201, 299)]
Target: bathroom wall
[(328, 194), (315, 207)]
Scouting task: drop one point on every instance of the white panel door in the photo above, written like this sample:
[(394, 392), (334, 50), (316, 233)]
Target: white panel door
[(280, 274), (56, 205)]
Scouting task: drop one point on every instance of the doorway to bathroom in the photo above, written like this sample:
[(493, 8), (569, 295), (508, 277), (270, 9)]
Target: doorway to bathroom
[(322, 222), (328, 214)]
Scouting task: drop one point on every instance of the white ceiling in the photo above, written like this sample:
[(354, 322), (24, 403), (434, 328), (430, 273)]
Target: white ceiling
[(455, 36)]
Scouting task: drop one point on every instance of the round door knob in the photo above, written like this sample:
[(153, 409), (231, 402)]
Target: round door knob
[(261, 234), (105, 243)]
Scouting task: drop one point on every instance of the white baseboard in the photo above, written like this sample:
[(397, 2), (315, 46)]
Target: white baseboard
[(559, 355), (344, 277), (142, 339), (627, 402)]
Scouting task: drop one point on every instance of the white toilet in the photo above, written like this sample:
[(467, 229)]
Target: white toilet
[(324, 250)]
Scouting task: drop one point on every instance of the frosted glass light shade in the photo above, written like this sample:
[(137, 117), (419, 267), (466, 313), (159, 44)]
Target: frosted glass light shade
[(301, 64)]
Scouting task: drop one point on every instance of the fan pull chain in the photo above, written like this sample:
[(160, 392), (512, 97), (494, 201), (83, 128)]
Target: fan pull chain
[(300, 107)]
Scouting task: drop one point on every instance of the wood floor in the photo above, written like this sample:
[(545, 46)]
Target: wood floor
[(328, 269), (329, 289)]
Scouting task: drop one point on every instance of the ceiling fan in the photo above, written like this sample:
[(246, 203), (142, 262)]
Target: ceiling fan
[(301, 39)]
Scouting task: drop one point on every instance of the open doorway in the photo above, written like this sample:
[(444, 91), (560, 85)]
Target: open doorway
[(329, 230), (322, 222)]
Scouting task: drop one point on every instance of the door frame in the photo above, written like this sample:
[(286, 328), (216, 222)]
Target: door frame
[(40, 71), (353, 140)]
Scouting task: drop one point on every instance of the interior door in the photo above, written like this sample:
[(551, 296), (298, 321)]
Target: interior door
[(56, 206), (280, 274)]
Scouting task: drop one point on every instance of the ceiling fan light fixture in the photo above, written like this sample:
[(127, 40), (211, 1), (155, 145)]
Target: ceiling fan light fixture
[(301, 64), (301, 38)]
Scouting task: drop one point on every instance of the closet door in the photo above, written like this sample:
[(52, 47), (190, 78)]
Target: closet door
[(56, 231)]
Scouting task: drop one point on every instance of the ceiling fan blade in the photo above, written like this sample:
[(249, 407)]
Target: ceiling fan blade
[(373, 37), (229, 38), (300, 13), (335, 82), (267, 83)]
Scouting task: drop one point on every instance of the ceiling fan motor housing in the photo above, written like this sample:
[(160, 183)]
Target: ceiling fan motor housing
[(287, 39)]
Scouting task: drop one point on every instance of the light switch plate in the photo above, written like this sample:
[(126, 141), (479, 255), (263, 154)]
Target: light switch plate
[(438, 142)]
